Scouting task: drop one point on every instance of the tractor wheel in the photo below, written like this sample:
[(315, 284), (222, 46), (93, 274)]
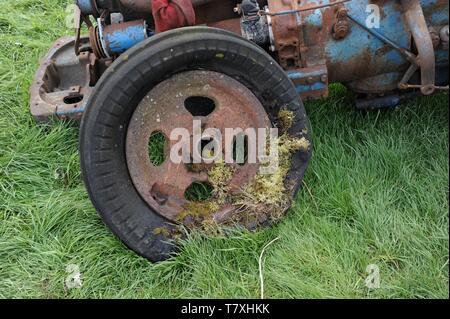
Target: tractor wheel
[(165, 83)]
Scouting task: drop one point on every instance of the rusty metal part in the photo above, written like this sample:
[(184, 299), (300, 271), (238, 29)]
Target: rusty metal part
[(411, 57), (342, 27), (94, 41), (403, 84), (79, 19), (77, 22), (304, 8), (64, 81), (416, 21), (146, 5), (287, 34), (134, 5), (233, 25), (303, 36), (406, 86), (163, 110), (127, 7), (215, 11), (435, 38), (311, 82)]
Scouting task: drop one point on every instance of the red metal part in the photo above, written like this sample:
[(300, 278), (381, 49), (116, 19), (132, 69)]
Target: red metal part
[(172, 14), (163, 110)]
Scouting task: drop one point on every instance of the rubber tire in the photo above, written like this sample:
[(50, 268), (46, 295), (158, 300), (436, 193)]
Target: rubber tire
[(124, 85)]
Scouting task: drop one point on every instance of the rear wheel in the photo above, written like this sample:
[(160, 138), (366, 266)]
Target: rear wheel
[(164, 83)]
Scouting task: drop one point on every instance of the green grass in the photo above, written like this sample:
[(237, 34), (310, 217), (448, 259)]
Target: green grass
[(199, 192), (156, 148), (377, 193)]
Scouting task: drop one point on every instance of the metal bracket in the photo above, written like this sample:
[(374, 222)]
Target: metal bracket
[(416, 21), (311, 82)]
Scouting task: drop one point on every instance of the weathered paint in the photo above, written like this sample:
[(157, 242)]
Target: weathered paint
[(311, 82), (70, 113), (87, 7), (364, 60), (297, 76), (120, 37), (367, 60), (436, 11), (441, 58), (311, 87), (381, 83), (362, 54)]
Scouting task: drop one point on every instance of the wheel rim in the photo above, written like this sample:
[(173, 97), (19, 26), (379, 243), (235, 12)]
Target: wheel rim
[(173, 104)]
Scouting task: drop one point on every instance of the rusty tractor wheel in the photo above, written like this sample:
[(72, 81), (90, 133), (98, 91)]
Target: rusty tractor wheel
[(165, 83)]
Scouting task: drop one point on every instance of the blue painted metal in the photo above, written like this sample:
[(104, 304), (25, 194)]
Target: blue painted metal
[(385, 82), (118, 38), (441, 58), (87, 7), (374, 63), (310, 81), (366, 60), (70, 113), (317, 86), (436, 11), (362, 54), (375, 57)]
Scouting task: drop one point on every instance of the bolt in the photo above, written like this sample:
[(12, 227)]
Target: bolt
[(341, 29), (342, 13), (427, 89), (342, 26), (444, 33), (435, 38)]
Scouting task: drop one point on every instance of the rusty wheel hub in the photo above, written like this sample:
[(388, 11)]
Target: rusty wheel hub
[(215, 99)]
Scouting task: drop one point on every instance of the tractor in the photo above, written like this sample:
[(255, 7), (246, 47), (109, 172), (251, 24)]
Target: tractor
[(136, 71)]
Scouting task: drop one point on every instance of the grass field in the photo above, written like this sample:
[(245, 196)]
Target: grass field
[(377, 193)]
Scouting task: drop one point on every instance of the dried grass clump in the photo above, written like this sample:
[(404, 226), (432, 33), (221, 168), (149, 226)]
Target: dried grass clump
[(265, 198), (267, 194), (219, 176)]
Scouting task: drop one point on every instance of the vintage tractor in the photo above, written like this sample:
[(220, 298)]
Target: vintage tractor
[(148, 68)]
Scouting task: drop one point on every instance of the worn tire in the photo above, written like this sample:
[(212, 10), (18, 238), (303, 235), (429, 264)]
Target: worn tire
[(124, 85)]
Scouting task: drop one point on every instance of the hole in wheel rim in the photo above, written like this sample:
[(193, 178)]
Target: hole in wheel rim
[(156, 148), (240, 149), (199, 105), (199, 192), (208, 147)]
